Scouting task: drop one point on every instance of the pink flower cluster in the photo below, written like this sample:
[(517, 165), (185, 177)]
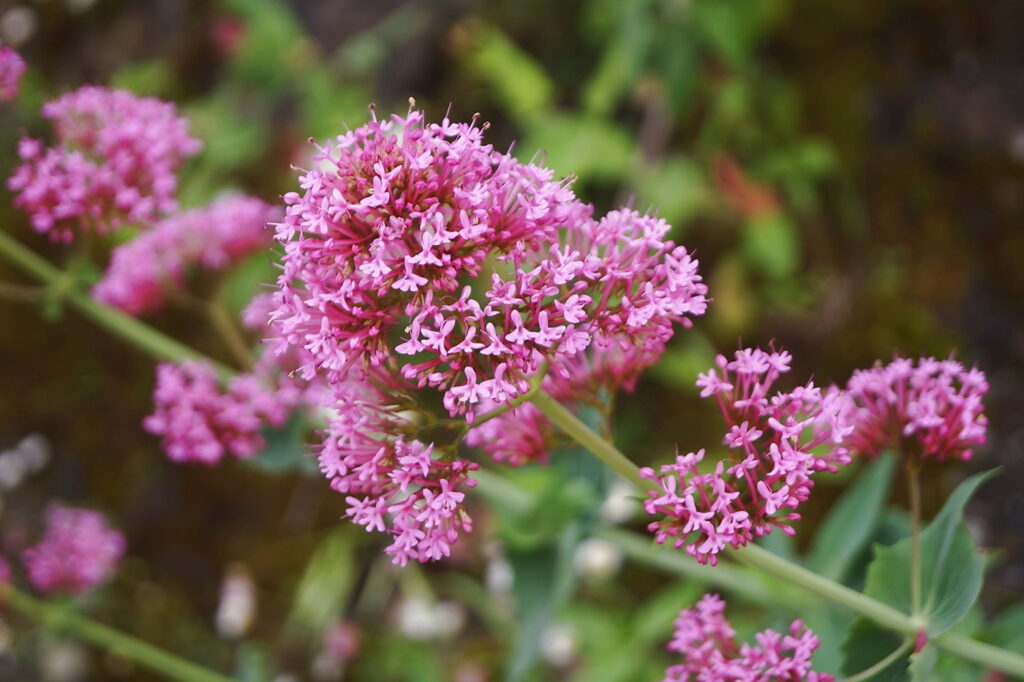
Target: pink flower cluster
[(930, 408), (77, 553), (201, 422), (394, 483), (115, 161), (143, 270), (710, 653), (400, 217), (418, 257), (773, 437), (12, 67)]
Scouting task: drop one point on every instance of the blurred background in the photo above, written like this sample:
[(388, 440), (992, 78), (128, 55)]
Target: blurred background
[(851, 176)]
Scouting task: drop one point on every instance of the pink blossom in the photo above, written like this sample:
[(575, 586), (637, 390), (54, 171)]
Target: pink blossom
[(114, 163), (930, 408), (399, 217), (773, 440), (201, 422), (393, 483), (12, 67), (77, 553), (341, 641), (710, 653), (142, 271)]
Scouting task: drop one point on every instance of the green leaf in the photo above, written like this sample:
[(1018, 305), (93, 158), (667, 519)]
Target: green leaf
[(591, 148), (286, 449), (770, 244), (951, 568), (519, 81), (849, 525), (866, 645), (325, 586)]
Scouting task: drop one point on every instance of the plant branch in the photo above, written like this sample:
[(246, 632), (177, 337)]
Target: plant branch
[(128, 328), (61, 619), (588, 438)]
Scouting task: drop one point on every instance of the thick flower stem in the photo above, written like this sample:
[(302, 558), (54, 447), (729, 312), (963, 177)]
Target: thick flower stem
[(755, 556), (124, 326), (59, 619), (914, 483), (588, 438)]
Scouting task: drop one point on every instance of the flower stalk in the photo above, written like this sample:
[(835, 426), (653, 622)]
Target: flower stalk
[(60, 619), (914, 485)]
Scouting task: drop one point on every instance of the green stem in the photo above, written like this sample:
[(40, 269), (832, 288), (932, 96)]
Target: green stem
[(736, 579), (914, 483), (755, 556), (126, 327), (588, 438), (59, 618), (881, 665)]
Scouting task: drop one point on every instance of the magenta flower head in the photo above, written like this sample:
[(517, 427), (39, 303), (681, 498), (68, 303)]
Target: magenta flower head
[(12, 67), (77, 553), (418, 258), (143, 271), (772, 438), (710, 653), (924, 409), (114, 162), (201, 422)]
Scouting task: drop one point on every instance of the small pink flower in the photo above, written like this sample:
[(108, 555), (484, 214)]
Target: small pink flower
[(77, 553), (707, 643), (142, 271), (115, 163), (201, 422), (773, 438), (928, 409), (12, 67)]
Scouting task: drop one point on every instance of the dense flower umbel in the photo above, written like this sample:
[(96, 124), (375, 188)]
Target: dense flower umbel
[(77, 553), (710, 653), (773, 437), (392, 482), (114, 162), (418, 257), (201, 422), (400, 218), (142, 271), (12, 67), (931, 408)]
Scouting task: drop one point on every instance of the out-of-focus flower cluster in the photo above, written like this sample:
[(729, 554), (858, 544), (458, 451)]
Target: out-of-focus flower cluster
[(12, 67), (710, 653), (928, 409), (115, 162), (200, 421), (418, 257), (773, 437), (78, 552), (142, 271)]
